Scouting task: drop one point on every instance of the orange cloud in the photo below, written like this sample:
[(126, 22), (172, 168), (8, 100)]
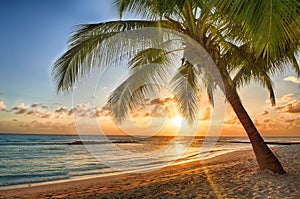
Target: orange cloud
[(288, 104), (2, 105), (206, 114), (232, 119)]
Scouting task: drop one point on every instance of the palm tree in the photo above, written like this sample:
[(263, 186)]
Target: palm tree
[(248, 41)]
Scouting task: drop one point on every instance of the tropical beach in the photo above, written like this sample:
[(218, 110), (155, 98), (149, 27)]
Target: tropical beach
[(232, 175), (150, 99)]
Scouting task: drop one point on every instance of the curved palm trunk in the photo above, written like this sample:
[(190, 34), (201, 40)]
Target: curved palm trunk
[(264, 156)]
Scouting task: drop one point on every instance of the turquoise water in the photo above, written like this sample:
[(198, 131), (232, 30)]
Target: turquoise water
[(27, 159)]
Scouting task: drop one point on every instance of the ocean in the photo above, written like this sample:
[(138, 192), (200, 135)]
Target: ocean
[(30, 159)]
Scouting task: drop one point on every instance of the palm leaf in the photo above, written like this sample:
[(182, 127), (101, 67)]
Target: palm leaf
[(151, 9), (185, 89), (139, 86), (273, 25), (89, 47)]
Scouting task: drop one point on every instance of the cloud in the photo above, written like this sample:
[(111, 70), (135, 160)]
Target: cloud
[(47, 115), (288, 104), (35, 112), (267, 120), (86, 110), (232, 119), (158, 107), (285, 98), (206, 114), (61, 110), (291, 107), (292, 79), (105, 111), (278, 124), (265, 113), (44, 106), (38, 112), (2, 105), (20, 109), (161, 101), (34, 105), (157, 111), (82, 110), (48, 125)]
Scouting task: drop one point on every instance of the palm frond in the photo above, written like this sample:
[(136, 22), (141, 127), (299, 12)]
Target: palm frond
[(267, 83), (185, 89), (209, 84), (295, 64), (151, 9), (162, 53), (90, 46), (147, 56), (272, 25), (139, 86)]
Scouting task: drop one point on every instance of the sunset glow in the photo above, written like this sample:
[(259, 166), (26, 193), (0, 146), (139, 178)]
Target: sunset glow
[(176, 121), (32, 106)]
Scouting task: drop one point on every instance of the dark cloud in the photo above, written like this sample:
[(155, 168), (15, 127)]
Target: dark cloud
[(161, 101), (156, 102), (267, 120), (61, 110), (44, 106), (34, 105), (294, 107), (147, 115), (20, 109), (290, 120), (35, 111), (291, 107)]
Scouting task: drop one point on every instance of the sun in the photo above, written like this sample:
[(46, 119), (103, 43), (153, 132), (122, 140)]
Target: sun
[(176, 121)]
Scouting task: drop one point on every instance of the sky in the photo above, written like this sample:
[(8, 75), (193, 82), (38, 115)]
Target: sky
[(34, 34)]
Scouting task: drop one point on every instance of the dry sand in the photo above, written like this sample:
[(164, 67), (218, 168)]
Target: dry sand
[(232, 175)]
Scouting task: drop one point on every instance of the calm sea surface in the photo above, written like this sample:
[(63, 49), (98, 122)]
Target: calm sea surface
[(28, 159)]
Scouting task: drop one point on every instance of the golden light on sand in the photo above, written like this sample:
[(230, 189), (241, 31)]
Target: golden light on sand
[(176, 121)]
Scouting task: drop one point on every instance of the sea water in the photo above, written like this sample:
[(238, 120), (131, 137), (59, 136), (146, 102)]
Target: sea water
[(29, 159)]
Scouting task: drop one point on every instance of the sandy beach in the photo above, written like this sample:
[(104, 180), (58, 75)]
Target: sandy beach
[(232, 175)]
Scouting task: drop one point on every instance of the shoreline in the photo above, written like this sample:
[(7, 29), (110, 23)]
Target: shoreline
[(99, 176), (230, 175)]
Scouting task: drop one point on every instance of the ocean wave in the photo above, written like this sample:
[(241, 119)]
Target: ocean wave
[(77, 142)]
